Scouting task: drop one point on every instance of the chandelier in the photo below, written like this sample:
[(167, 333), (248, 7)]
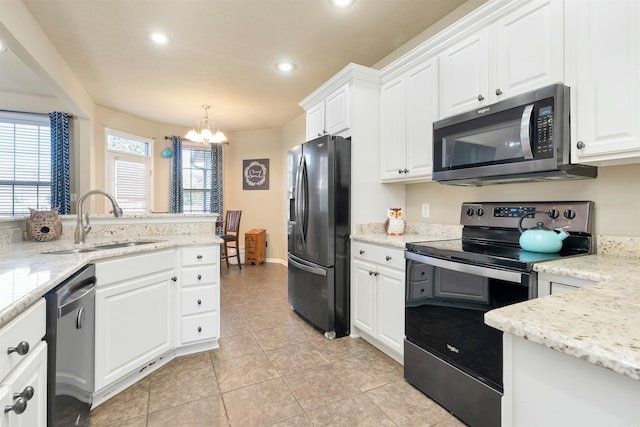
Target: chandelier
[(205, 132)]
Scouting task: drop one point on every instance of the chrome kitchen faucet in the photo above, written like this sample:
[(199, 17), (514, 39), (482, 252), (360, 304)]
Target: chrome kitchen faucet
[(81, 229)]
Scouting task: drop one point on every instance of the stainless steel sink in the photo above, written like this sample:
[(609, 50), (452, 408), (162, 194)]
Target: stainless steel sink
[(102, 247), (125, 244)]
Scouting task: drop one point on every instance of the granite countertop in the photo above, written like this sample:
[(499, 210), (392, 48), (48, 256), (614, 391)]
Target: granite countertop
[(374, 233), (598, 323), (27, 272)]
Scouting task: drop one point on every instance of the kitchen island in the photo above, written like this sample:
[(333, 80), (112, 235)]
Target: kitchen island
[(574, 358)]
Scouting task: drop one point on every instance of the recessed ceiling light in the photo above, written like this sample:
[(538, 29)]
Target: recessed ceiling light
[(285, 66), (159, 38), (341, 3)]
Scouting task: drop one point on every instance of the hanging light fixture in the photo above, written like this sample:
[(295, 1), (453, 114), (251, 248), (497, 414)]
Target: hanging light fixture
[(205, 132)]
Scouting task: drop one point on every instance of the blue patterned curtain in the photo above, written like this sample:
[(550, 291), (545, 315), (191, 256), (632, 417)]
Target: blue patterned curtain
[(176, 203), (217, 183), (60, 172)]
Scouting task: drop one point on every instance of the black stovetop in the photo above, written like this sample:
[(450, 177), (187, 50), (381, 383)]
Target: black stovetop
[(491, 238)]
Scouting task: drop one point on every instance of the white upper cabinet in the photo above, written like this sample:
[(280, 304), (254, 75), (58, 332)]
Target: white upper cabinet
[(603, 70), (331, 115), (409, 105), (464, 74), (521, 51)]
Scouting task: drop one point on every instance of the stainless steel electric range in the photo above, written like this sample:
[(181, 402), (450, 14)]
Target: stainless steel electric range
[(450, 354)]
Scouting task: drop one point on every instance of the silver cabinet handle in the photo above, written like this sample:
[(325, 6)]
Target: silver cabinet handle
[(480, 98), (199, 257), (199, 276), (174, 278), (388, 258), (18, 407), (580, 145), (22, 348), (361, 251), (27, 393), (199, 329), (400, 171), (406, 171), (199, 302), (498, 92)]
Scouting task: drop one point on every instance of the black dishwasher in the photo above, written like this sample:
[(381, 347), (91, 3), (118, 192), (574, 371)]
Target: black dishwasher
[(70, 341)]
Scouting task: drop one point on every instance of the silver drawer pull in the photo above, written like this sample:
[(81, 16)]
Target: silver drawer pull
[(27, 393), (361, 251), (388, 258), (18, 407), (199, 276), (199, 329), (199, 302), (199, 257), (22, 348)]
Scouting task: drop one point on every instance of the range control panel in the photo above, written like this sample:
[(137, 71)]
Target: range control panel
[(574, 216)]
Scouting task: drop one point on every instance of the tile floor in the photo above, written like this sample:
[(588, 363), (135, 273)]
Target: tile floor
[(272, 369)]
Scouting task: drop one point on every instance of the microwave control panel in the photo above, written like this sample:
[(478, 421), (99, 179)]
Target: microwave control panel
[(543, 142)]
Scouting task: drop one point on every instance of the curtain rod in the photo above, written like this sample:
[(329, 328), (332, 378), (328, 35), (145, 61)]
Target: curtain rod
[(71, 116)]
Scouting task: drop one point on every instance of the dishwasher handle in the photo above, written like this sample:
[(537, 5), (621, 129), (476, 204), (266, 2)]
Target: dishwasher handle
[(74, 299)]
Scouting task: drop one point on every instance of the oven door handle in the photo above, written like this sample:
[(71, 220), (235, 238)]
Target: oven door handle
[(507, 276), (525, 138)]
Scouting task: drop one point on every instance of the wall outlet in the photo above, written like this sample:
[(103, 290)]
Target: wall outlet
[(425, 210)]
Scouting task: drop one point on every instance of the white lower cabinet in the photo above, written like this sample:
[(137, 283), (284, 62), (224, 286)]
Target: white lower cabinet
[(23, 376), (134, 313), (377, 295), (549, 284)]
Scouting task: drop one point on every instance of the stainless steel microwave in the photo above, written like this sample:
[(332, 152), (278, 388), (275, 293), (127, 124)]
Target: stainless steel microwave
[(523, 138)]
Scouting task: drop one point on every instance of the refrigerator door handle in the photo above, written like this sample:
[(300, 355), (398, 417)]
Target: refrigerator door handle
[(308, 268), (302, 201)]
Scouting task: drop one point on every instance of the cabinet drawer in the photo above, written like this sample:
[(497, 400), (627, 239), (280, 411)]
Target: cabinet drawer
[(30, 327), (132, 266), (203, 275), (199, 255), (199, 327), (198, 300), (382, 255)]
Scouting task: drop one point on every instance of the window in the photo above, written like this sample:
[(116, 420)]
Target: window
[(25, 163), (129, 170), (197, 168)]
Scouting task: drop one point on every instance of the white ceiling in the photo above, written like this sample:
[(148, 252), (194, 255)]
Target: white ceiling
[(222, 52)]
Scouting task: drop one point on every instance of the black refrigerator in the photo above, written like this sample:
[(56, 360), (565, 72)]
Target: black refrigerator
[(319, 186)]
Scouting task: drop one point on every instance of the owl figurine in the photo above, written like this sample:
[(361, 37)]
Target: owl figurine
[(44, 225), (394, 225)]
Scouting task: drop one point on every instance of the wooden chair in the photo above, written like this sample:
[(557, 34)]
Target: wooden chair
[(231, 237)]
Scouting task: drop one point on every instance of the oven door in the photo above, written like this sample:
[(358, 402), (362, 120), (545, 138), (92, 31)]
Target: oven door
[(445, 306), (450, 354)]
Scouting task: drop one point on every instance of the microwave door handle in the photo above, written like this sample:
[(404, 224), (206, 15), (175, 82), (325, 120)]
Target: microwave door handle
[(525, 139)]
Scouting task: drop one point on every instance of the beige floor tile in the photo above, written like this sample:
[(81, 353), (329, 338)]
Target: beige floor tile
[(370, 369), (182, 387), (204, 412), (261, 404), (340, 348), (126, 405), (233, 325), (243, 371), (295, 358), (283, 336), (270, 320), (260, 309), (140, 421), (182, 363), (236, 346), (301, 420), (355, 411), (407, 406), (320, 386), (450, 421)]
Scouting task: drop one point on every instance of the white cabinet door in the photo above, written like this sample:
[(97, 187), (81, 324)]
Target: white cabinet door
[(391, 308), (31, 372), (464, 74), (603, 65), (315, 121), (336, 115), (393, 127), (364, 287), (134, 324), (422, 111), (529, 49)]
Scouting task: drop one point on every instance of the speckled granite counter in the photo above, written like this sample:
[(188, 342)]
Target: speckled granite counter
[(374, 233), (598, 323), (27, 273)]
